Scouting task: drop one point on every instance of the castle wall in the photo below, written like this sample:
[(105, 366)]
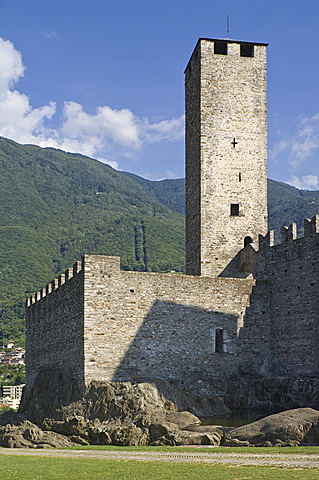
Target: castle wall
[(237, 311), (54, 328), (292, 271), (161, 325)]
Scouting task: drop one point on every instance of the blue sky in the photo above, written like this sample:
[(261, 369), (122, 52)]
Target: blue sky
[(105, 78)]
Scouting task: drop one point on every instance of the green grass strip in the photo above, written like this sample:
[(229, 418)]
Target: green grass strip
[(34, 468)]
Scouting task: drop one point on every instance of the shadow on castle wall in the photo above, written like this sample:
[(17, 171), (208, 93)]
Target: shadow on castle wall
[(178, 343), (242, 265)]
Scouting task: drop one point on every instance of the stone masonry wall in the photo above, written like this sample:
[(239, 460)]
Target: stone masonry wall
[(161, 325), (292, 271), (54, 328)]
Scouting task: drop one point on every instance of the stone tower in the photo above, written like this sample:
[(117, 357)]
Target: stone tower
[(226, 152)]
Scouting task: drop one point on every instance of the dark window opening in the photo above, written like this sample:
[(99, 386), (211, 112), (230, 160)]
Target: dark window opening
[(234, 209), (246, 50), (239, 176), (248, 240), (218, 340), (220, 48)]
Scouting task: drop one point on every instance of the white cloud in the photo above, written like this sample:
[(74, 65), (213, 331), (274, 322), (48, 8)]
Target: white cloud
[(171, 174), (11, 66), (105, 134), (277, 149), (49, 35), (307, 182), (301, 145), (18, 120), (169, 130), (119, 126)]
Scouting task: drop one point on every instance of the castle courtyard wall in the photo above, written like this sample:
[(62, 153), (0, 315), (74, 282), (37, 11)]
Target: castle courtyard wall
[(155, 325), (54, 328)]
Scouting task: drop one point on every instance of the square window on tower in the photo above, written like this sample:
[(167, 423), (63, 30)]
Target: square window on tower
[(220, 48), (234, 209), (246, 50)]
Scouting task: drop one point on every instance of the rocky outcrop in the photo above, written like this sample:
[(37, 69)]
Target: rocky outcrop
[(52, 396), (290, 428), (26, 434), (127, 414), (124, 413), (200, 405), (50, 391), (112, 413)]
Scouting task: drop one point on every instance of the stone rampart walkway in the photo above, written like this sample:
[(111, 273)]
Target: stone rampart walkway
[(274, 460)]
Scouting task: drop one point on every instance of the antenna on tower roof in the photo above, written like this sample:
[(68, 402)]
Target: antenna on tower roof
[(227, 24)]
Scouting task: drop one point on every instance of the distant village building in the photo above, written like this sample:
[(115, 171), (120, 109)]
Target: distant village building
[(15, 357), (12, 395)]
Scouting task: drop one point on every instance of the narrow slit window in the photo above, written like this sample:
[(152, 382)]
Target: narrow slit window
[(218, 340), (220, 48), (239, 176), (246, 50), (234, 209)]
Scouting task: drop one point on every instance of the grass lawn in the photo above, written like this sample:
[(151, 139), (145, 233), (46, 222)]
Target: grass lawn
[(33, 468)]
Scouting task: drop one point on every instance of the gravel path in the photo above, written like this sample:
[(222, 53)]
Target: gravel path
[(275, 460)]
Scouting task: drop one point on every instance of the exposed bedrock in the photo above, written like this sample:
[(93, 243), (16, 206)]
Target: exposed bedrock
[(112, 414), (53, 413), (54, 396), (28, 435), (290, 428)]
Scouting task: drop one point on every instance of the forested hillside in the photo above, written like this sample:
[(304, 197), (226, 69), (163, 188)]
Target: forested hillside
[(287, 204), (55, 206)]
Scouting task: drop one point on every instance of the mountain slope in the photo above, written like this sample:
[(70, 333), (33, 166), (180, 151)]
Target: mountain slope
[(55, 206), (169, 192), (77, 204)]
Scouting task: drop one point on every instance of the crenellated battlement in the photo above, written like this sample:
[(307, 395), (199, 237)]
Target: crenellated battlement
[(290, 233), (55, 284), (267, 240), (311, 227)]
